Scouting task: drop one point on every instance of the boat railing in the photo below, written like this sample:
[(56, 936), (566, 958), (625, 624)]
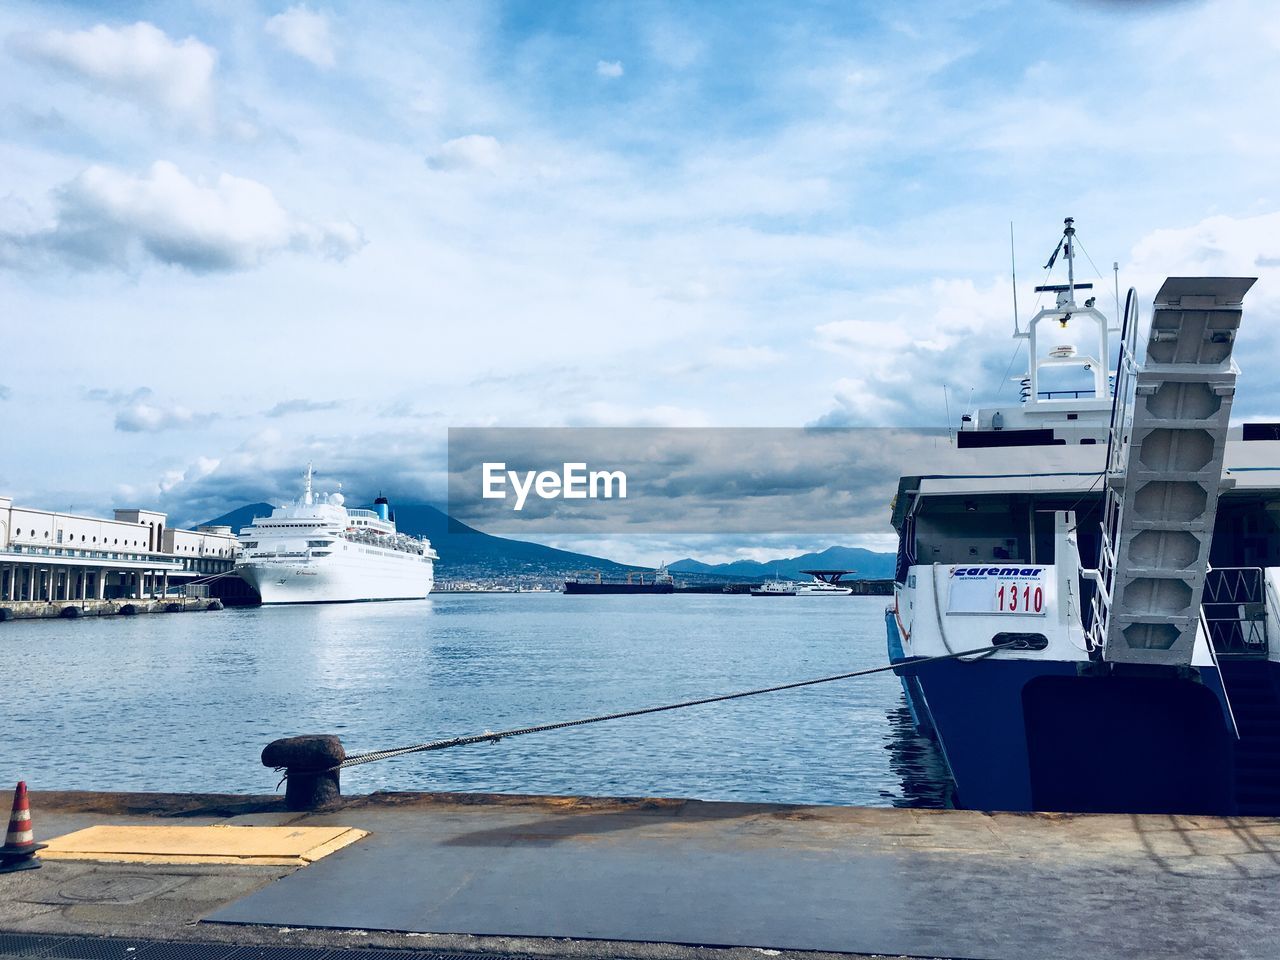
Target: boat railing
[(1065, 394), (1235, 612), (1114, 472)]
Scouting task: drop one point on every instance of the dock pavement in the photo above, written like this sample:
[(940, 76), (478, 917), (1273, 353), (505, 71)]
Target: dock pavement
[(490, 875)]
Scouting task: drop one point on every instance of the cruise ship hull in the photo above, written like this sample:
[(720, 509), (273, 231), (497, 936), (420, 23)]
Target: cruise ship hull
[(403, 577)]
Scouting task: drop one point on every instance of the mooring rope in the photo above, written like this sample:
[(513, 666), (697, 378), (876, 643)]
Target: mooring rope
[(490, 737)]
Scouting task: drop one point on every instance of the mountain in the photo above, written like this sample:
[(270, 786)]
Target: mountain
[(466, 553), (240, 516), (868, 564)]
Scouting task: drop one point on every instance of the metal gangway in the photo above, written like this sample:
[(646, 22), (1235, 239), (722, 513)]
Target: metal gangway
[(1164, 471)]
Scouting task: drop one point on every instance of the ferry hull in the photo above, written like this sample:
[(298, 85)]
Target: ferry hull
[(1022, 735), (281, 583)]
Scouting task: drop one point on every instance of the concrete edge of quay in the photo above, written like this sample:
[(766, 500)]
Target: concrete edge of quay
[(1041, 870), (73, 609), (32, 904)]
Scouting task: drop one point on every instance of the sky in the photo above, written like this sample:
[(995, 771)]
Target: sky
[(238, 237)]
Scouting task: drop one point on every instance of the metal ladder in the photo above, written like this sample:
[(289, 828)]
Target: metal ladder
[(1164, 471)]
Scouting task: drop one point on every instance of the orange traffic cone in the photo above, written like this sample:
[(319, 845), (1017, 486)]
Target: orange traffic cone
[(19, 850)]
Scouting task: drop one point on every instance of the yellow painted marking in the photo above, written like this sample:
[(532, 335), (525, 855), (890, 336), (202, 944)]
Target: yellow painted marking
[(220, 843)]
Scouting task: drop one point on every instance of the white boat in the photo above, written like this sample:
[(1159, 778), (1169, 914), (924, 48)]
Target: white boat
[(1074, 530), (315, 550), (818, 587), (824, 583), (776, 588)]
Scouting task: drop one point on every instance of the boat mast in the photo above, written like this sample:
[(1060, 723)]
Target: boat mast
[(306, 490), (1068, 233)]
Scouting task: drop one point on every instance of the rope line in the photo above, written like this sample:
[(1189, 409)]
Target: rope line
[(490, 737)]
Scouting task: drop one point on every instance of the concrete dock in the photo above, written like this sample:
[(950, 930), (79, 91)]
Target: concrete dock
[(582, 877), (64, 609)]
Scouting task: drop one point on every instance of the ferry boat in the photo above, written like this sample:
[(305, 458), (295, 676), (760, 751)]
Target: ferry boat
[(315, 550), (1119, 539), (823, 583), (775, 588)]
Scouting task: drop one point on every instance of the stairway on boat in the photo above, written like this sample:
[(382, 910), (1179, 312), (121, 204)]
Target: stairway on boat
[(1235, 617), (1256, 705)]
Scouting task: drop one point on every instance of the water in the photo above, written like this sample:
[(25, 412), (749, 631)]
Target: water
[(185, 702)]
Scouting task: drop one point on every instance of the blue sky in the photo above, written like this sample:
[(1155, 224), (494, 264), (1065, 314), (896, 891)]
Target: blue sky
[(238, 236)]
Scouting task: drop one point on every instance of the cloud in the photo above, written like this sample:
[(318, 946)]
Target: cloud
[(304, 33), (5, 392), (603, 413), (117, 397), (144, 416), (611, 69), (910, 339), (139, 411), (286, 407), (138, 63), (269, 466), (107, 218), (476, 151)]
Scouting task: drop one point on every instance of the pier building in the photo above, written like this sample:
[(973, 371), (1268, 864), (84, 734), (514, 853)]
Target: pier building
[(46, 556)]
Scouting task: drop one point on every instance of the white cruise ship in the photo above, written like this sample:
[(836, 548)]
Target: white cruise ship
[(315, 550)]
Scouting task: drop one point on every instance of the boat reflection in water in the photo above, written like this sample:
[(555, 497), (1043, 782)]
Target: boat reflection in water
[(917, 763)]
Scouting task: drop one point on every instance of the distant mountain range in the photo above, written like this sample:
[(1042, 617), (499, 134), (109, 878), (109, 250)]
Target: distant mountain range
[(868, 564), (468, 554)]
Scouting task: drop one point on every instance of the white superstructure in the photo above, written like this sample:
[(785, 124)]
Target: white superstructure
[(817, 587), (315, 550)]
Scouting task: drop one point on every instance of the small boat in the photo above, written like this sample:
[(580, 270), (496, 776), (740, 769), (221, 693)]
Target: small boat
[(776, 588), (818, 587)]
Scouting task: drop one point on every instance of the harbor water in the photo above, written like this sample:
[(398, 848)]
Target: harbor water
[(185, 702)]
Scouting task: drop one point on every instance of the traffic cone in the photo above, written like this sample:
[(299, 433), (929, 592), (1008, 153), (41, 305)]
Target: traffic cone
[(19, 850)]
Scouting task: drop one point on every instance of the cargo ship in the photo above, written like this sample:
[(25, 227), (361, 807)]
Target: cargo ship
[(660, 581)]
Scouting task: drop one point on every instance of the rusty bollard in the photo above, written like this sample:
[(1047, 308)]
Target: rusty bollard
[(311, 784)]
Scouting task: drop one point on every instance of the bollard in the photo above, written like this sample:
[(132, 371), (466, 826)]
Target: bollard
[(311, 784)]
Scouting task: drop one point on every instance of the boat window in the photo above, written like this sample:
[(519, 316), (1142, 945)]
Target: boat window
[(974, 530), (321, 553), (319, 543), (1246, 532), (249, 544)]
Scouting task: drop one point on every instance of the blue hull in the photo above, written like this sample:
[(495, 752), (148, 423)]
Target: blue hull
[(1024, 735)]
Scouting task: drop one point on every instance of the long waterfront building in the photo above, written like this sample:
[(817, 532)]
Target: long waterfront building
[(49, 556)]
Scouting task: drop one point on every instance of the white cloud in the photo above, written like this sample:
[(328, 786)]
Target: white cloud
[(139, 63), (611, 69), (304, 33), (746, 357), (105, 217), (607, 414), (909, 341), (139, 411), (476, 151), (147, 416), (287, 407)]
